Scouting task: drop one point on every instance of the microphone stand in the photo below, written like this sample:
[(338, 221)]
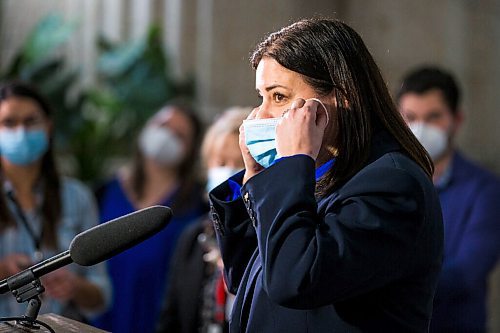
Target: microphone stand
[(25, 286)]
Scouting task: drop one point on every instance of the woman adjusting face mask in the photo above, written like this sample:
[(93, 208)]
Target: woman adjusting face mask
[(260, 136), (327, 215)]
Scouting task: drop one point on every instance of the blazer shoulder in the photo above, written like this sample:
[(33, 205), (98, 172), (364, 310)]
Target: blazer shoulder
[(392, 172)]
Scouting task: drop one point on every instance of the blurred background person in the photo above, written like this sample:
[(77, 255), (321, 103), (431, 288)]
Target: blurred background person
[(196, 299), (41, 211), (163, 171), (429, 101)]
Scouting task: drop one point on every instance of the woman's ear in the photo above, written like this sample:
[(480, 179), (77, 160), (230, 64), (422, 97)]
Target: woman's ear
[(331, 100), (338, 94)]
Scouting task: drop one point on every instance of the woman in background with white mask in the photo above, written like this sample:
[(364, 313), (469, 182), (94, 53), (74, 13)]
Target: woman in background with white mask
[(163, 171), (196, 300), (41, 211)]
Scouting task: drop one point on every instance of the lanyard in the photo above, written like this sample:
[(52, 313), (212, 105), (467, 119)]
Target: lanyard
[(37, 240)]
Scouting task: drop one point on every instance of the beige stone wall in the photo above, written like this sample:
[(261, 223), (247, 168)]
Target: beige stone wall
[(461, 35), (211, 40), (236, 27), (14, 28)]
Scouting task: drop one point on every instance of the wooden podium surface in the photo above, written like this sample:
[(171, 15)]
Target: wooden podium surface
[(58, 324)]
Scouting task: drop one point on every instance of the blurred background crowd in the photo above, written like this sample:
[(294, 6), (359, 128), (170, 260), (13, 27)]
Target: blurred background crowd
[(136, 107)]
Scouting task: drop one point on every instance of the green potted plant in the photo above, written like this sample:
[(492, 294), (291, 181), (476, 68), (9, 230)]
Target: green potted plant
[(95, 125)]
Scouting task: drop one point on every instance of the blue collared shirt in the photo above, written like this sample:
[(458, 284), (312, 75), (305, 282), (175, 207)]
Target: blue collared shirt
[(469, 198)]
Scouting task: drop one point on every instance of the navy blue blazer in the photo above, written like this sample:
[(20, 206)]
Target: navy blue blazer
[(364, 258)]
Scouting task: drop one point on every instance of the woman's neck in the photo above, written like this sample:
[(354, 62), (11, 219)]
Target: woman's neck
[(159, 181), (23, 180), (325, 154)]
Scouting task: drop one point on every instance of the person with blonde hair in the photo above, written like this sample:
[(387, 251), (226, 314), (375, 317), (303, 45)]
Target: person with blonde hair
[(196, 300)]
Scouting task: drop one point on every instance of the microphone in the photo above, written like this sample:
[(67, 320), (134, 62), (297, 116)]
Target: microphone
[(98, 244), (107, 240)]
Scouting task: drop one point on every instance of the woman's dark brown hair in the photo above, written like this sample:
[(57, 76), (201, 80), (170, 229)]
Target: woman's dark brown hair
[(332, 58), (187, 170), (49, 177)]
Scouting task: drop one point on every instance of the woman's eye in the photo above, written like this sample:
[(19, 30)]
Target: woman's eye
[(278, 97), (8, 123)]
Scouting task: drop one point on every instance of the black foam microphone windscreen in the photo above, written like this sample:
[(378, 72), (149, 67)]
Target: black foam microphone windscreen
[(110, 238)]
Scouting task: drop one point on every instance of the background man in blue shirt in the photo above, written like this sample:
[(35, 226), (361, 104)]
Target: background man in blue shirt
[(470, 198)]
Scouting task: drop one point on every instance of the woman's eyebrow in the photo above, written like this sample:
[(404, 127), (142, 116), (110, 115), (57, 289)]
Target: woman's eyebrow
[(274, 86)]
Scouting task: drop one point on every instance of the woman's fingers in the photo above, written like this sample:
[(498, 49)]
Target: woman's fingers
[(298, 103), (243, 145), (251, 166), (302, 128), (322, 116), (311, 111), (253, 114)]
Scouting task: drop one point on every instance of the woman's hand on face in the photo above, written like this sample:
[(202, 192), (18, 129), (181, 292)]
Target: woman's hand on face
[(251, 166), (301, 129)]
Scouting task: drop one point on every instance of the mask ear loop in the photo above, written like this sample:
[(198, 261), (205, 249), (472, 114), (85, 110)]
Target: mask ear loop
[(324, 107)]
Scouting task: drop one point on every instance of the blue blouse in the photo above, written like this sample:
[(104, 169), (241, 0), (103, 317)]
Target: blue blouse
[(138, 275)]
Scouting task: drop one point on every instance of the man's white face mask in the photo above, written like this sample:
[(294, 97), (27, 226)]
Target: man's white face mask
[(433, 138)]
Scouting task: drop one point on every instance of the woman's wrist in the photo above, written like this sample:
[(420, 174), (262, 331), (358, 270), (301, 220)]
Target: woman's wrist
[(250, 173)]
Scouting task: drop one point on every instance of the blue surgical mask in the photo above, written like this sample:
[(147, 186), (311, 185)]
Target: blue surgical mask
[(260, 138), (22, 147)]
